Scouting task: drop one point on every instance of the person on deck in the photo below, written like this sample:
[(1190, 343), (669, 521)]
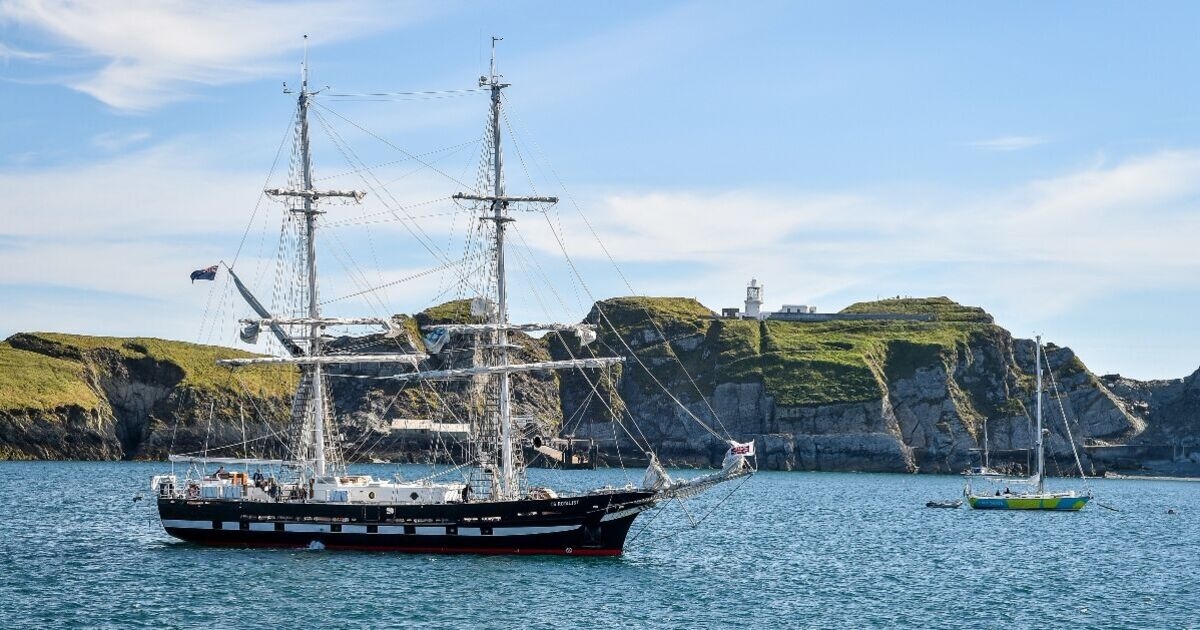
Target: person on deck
[(220, 471), (258, 478)]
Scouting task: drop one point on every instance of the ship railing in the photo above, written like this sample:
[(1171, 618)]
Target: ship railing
[(165, 485)]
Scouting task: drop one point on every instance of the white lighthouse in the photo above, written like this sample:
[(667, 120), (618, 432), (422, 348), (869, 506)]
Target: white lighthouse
[(753, 300)]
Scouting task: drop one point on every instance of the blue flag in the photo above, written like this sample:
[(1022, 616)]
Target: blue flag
[(205, 274)]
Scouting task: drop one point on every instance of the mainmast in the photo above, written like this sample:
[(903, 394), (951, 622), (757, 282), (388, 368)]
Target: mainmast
[(508, 473), (1041, 450), (509, 482)]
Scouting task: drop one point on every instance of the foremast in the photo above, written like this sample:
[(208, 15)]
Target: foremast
[(315, 448)]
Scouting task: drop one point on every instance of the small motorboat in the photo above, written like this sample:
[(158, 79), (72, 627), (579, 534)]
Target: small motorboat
[(944, 504)]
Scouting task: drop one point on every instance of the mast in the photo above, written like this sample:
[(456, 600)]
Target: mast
[(308, 207), (508, 483), (986, 466), (499, 205), (1041, 452), (314, 309)]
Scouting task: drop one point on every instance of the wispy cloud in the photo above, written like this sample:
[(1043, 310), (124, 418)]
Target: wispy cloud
[(1009, 143), (8, 52), (1053, 243), (116, 140), (134, 225), (157, 51)]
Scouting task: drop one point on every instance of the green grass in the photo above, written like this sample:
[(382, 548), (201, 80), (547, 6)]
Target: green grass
[(29, 380), (736, 343), (197, 362), (807, 363), (800, 363), (801, 367), (942, 308), (654, 329), (452, 312), (676, 316)]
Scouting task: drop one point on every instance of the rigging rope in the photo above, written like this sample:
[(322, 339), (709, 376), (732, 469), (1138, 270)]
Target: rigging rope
[(398, 96), (617, 417), (1066, 423), (390, 144), (393, 283), (628, 284), (695, 523), (413, 228), (452, 149)]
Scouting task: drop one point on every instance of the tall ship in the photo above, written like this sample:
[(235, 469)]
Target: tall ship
[(484, 504), (1030, 492)]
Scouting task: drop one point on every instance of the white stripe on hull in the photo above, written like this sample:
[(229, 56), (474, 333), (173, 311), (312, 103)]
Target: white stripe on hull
[(382, 529), (306, 527)]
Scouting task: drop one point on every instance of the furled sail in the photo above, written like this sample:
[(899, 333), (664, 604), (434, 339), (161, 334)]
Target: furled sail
[(434, 375), (251, 332)]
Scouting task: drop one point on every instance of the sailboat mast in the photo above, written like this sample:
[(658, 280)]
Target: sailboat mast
[(508, 484), (1041, 450), (986, 464)]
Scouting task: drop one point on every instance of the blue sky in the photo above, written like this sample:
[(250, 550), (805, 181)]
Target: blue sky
[(1040, 160)]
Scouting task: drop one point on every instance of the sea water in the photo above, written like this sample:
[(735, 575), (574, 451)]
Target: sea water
[(781, 550)]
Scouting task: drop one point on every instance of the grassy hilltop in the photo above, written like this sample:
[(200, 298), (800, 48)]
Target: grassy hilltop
[(46, 370), (896, 384), (800, 363)]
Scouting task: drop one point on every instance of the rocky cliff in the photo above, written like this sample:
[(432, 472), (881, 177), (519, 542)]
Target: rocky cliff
[(896, 385), (81, 397), (865, 393)]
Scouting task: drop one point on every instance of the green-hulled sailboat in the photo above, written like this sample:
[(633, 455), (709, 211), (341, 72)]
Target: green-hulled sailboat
[(1031, 493)]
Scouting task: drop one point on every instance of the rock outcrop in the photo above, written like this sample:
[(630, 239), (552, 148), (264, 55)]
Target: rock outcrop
[(867, 395), (913, 391)]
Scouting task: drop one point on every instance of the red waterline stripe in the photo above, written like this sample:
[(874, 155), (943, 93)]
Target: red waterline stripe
[(446, 550)]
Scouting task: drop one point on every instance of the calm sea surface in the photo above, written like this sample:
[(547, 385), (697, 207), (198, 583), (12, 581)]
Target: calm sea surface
[(785, 550)]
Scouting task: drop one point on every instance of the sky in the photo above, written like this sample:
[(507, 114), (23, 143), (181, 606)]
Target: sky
[(1040, 160)]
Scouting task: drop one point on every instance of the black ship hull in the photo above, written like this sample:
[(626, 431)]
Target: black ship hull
[(589, 525)]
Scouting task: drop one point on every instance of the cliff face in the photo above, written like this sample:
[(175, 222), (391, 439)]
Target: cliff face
[(898, 385), (80, 397), (862, 394), (127, 398)]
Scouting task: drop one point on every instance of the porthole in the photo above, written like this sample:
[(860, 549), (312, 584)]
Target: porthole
[(414, 496), (370, 495)]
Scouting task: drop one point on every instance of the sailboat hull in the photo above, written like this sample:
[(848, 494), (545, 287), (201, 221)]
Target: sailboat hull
[(590, 525), (1044, 502)]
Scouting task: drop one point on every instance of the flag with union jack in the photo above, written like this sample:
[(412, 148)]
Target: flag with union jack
[(209, 273)]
